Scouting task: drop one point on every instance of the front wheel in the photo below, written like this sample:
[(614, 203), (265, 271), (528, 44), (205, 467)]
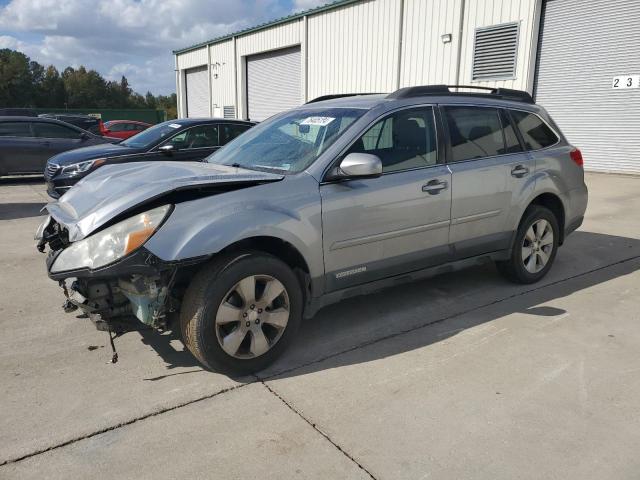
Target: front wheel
[(241, 312), (535, 247)]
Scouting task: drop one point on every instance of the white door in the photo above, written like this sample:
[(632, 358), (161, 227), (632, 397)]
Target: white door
[(585, 46), (197, 92), (273, 82)]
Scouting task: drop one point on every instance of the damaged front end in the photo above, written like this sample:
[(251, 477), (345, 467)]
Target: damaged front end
[(111, 277), (117, 304)]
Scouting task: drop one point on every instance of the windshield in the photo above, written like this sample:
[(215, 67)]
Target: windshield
[(288, 143), (152, 135)]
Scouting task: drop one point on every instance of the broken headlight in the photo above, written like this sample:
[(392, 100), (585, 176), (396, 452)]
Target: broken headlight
[(111, 243)]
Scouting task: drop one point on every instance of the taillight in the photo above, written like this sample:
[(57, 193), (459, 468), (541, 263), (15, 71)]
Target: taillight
[(576, 156)]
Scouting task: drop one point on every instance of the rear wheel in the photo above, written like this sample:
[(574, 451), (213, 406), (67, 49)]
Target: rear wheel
[(241, 312), (535, 247)]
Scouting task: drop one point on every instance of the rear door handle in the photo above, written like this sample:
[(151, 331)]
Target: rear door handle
[(434, 187), (519, 171)]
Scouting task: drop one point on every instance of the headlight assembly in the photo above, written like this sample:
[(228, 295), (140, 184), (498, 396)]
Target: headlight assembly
[(111, 243), (82, 167)]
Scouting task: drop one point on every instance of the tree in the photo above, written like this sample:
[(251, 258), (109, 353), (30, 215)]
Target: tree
[(16, 85), (26, 83), (50, 91)]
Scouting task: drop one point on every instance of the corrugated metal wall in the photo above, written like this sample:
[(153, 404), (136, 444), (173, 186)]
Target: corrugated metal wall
[(194, 58), (222, 77), (425, 58), (484, 13), (354, 48), (583, 46)]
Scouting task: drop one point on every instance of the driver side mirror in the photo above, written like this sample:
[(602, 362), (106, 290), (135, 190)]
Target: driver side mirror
[(359, 165), (84, 136), (167, 149)]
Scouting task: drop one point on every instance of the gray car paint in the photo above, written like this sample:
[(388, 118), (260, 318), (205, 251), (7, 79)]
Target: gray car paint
[(348, 232)]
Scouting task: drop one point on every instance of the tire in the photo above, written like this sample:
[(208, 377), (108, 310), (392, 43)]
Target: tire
[(522, 268), (216, 298)]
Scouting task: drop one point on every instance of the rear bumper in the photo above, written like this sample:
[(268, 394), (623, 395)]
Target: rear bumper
[(577, 206)]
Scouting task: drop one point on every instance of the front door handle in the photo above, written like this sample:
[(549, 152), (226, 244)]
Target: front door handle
[(519, 171), (434, 187)]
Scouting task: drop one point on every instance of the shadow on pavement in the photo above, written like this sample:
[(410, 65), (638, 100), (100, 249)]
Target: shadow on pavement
[(13, 211), (22, 180), (455, 302)]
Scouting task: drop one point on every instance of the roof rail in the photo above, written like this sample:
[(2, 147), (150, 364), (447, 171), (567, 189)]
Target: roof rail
[(339, 95), (504, 93)]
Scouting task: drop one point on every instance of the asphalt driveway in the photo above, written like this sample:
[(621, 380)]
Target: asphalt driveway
[(460, 376)]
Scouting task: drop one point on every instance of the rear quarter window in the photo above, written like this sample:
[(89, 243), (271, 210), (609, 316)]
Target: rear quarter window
[(535, 133)]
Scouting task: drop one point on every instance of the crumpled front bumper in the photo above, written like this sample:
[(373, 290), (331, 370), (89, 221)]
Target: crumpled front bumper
[(139, 285)]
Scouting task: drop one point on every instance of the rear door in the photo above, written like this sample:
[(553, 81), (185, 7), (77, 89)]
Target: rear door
[(55, 138), (194, 143), (491, 175), (19, 151), (229, 131), (399, 222)]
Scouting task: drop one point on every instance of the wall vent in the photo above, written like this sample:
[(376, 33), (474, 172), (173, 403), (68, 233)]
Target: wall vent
[(229, 111), (495, 51)]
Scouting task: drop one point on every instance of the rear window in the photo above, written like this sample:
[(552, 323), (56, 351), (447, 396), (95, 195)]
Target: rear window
[(15, 129), (535, 133), (229, 131), (53, 130), (474, 132)]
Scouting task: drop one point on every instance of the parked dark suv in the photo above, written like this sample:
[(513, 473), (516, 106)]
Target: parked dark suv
[(332, 199), (26, 143), (184, 139)]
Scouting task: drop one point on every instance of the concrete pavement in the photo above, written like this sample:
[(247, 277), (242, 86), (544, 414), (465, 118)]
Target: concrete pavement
[(463, 375)]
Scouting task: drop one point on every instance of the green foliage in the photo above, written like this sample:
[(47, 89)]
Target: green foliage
[(25, 83)]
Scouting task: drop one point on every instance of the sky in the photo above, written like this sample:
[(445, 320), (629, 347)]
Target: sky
[(133, 38)]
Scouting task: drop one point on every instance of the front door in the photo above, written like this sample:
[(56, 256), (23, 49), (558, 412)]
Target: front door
[(491, 176), (396, 223)]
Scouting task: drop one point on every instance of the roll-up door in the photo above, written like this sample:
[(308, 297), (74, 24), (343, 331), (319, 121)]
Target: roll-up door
[(273, 82), (197, 92), (583, 46)]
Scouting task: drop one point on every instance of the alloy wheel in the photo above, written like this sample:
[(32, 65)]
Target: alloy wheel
[(537, 246), (252, 316)]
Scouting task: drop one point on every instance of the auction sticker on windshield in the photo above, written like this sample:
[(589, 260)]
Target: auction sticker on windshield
[(320, 121)]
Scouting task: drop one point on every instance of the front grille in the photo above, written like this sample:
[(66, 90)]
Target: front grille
[(52, 169)]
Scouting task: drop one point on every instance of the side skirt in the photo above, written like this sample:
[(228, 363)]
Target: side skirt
[(315, 304)]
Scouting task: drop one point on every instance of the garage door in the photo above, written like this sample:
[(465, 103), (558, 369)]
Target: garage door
[(273, 82), (583, 45), (197, 86)]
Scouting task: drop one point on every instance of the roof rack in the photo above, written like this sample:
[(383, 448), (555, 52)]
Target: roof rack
[(340, 95), (503, 93)]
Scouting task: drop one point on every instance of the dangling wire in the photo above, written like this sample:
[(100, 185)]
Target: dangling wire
[(114, 357)]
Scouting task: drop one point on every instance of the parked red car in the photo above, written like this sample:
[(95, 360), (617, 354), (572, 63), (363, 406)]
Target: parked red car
[(123, 128)]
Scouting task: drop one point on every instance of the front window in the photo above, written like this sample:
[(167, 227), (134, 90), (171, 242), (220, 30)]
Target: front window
[(289, 143), (403, 141), (152, 135)]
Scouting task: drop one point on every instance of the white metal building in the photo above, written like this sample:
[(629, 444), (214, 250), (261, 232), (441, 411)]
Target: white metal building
[(578, 57)]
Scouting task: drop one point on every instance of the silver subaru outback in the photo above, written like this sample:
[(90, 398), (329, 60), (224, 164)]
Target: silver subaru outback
[(339, 197)]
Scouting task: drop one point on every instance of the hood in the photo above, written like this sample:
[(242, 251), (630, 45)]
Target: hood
[(115, 189), (94, 151)]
